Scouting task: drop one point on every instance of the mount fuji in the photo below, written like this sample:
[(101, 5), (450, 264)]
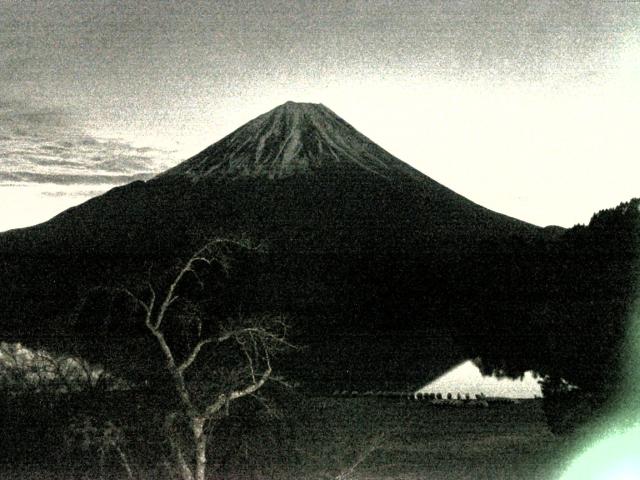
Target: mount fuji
[(372, 260)]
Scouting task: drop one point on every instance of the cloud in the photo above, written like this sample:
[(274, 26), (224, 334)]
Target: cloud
[(21, 177), (50, 161), (46, 146), (76, 192)]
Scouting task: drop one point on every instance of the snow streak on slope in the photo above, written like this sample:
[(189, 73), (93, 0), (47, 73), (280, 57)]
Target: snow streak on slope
[(294, 138)]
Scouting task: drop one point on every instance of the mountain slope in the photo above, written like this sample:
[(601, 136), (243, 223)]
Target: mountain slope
[(368, 256), (294, 138)]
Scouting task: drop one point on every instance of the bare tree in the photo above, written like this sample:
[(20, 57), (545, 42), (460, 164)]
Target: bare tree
[(194, 359)]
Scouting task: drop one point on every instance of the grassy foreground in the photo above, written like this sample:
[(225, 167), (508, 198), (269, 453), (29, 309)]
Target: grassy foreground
[(372, 438), (417, 440)]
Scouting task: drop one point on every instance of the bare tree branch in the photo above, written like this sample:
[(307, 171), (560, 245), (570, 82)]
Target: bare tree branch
[(277, 338), (223, 399), (199, 256), (146, 307), (364, 454), (193, 355), (248, 356)]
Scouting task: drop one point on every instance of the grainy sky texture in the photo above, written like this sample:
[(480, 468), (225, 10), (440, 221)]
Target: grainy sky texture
[(528, 108)]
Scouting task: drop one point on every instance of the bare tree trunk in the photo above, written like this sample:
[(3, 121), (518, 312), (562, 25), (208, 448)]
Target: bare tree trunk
[(200, 440), (125, 462), (185, 471), (181, 463)]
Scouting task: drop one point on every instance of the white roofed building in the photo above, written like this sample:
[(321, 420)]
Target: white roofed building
[(466, 378)]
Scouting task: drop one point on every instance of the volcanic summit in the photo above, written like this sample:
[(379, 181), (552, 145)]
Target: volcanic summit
[(293, 138)]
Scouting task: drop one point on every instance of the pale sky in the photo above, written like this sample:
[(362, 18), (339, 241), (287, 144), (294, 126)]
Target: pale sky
[(528, 108)]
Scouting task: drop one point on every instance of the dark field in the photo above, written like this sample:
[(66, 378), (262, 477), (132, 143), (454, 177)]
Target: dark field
[(422, 441), (381, 438)]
